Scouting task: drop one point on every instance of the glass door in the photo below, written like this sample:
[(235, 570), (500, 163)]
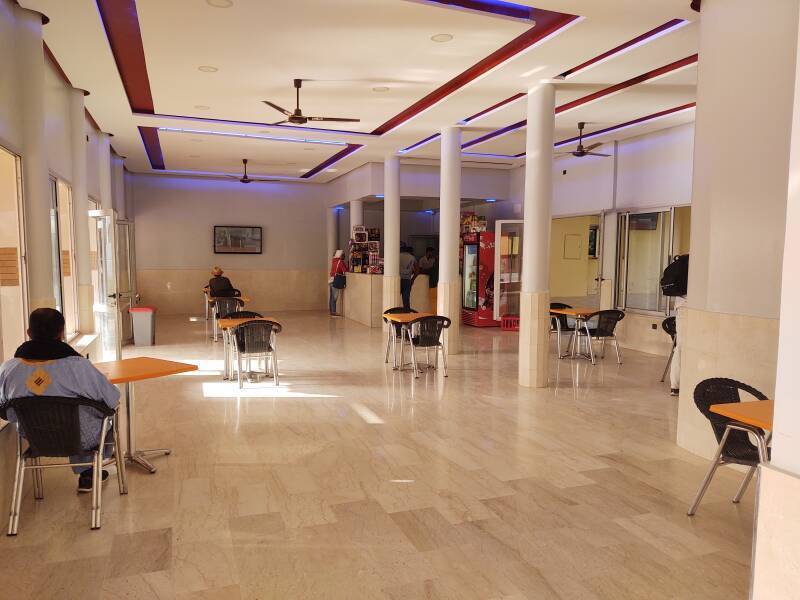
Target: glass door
[(508, 268), (106, 306), (470, 273), (126, 278)]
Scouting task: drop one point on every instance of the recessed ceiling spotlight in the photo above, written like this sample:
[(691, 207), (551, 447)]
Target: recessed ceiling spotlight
[(442, 37), (220, 3), (207, 69), (380, 88), (201, 107)]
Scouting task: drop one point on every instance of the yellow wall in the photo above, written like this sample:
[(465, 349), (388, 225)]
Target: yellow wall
[(572, 277), (683, 227)]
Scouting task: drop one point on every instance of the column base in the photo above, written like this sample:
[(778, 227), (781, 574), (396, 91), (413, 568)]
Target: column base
[(607, 294), (391, 291), (85, 308), (448, 298), (714, 344), (534, 339)]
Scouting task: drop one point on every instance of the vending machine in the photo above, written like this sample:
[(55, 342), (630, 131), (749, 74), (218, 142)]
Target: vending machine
[(477, 302)]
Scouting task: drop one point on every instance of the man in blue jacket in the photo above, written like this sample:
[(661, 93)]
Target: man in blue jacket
[(46, 366)]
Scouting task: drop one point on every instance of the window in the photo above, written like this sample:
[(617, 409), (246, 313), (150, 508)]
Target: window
[(63, 253), (647, 242), (13, 291)]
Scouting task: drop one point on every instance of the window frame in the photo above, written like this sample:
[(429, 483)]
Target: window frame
[(621, 287)]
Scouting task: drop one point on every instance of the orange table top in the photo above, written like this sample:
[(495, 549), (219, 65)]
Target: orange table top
[(406, 317), (573, 312), (757, 413), (141, 367), (244, 299), (229, 323)]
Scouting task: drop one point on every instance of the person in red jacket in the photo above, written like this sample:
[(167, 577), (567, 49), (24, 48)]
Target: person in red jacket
[(338, 267)]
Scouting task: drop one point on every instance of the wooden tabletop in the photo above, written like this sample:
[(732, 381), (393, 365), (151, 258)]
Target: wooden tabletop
[(406, 317), (757, 414), (244, 299), (573, 312), (228, 323), (142, 367)]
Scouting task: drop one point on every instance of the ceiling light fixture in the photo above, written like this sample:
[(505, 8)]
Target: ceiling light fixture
[(380, 88), (441, 38), (207, 69), (490, 200), (220, 3)]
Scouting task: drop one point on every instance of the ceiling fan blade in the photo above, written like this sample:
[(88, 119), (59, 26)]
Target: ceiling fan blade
[(264, 180), (596, 154), (592, 146), (280, 122), (336, 119), (562, 153), (278, 108)]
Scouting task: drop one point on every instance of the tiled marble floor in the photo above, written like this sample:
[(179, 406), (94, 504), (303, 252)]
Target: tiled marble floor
[(354, 482)]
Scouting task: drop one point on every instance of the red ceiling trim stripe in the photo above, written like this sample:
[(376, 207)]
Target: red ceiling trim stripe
[(152, 146), (514, 47), (332, 160), (621, 47), (649, 76), (121, 22), (485, 111)]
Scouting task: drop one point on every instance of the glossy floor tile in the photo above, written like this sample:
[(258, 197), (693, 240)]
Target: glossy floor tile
[(351, 481)]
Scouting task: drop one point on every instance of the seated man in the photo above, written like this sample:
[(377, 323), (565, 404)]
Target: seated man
[(219, 286), (46, 366)]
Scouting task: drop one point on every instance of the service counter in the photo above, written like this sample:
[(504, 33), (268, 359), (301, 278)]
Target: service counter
[(363, 298)]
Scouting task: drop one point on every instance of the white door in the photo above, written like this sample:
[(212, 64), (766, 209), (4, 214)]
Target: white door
[(106, 306)]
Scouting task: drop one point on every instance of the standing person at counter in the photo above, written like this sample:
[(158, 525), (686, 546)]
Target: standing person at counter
[(336, 282), (408, 273), (428, 266), (219, 286)]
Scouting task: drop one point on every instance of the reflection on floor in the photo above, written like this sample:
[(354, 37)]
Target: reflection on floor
[(352, 481)]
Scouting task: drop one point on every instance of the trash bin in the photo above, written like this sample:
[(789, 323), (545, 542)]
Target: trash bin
[(144, 325)]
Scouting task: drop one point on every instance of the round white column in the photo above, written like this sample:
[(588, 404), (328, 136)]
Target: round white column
[(391, 232), (80, 207), (118, 177), (449, 288), (534, 336), (104, 170), (35, 176), (356, 215)]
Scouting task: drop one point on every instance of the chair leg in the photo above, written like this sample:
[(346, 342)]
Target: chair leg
[(669, 363), (715, 463), (743, 487), (38, 480), (97, 482), (122, 474), (16, 492), (239, 368), (589, 343), (413, 354), (616, 347), (403, 331), (603, 348), (274, 360), (444, 358), (388, 342)]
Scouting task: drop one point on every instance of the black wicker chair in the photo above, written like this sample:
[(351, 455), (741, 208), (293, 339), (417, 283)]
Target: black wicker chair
[(257, 339), (560, 324), (668, 325), (51, 426), (428, 335), (394, 330), (600, 326), (224, 307), (733, 437)]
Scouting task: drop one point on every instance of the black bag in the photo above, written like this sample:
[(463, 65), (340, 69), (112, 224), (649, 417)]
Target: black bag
[(675, 280), (339, 281)]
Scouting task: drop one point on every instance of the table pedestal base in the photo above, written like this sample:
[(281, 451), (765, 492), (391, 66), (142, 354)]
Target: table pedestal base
[(138, 458)]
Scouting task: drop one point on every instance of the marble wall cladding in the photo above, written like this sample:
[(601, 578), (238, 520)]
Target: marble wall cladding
[(179, 291), (534, 335), (776, 556), (722, 345), (636, 332)]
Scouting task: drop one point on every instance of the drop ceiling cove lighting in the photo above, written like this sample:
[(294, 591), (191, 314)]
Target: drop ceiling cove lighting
[(253, 136)]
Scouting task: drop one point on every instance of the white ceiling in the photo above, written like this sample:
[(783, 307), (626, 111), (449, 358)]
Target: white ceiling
[(347, 47)]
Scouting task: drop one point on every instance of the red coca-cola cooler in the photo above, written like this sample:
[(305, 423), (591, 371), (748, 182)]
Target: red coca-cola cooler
[(477, 286)]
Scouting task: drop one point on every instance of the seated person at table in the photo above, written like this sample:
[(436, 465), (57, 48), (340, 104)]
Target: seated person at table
[(219, 286), (46, 366)]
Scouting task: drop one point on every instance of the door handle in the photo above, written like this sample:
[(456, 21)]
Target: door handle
[(114, 296)]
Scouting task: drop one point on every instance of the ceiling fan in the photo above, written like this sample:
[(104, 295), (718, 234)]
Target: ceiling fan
[(247, 179), (582, 150), (297, 117)]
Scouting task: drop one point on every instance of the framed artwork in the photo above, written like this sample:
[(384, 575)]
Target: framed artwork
[(235, 239)]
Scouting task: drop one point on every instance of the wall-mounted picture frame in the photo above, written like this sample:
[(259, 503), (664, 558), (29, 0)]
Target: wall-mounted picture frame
[(237, 239)]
